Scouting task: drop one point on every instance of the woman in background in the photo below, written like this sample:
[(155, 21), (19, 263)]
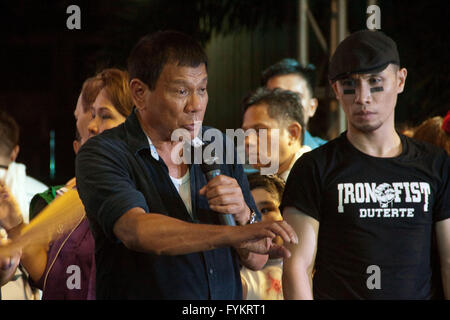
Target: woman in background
[(65, 267)]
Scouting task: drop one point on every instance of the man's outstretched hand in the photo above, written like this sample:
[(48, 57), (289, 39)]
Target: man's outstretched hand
[(258, 238)]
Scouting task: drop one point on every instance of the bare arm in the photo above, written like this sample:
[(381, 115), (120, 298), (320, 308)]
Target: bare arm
[(57, 218), (163, 235), (297, 271), (443, 242), (34, 260)]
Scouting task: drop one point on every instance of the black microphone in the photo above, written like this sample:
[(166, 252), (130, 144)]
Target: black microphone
[(211, 169)]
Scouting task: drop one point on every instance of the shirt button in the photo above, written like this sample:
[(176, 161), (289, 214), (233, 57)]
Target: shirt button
[(211, 271)]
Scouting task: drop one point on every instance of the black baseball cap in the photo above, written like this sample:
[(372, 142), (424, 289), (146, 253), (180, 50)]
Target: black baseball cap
[(364, 51)]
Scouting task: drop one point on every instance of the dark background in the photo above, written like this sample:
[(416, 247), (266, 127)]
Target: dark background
[(43, 64)]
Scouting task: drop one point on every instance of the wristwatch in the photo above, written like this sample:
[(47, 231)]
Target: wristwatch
[(252, 217)]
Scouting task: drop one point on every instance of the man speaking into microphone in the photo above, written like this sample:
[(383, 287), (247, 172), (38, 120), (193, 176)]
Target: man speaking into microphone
[(154, 220)]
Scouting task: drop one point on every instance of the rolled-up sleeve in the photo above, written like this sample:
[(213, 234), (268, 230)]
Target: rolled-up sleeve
[(104, 183)]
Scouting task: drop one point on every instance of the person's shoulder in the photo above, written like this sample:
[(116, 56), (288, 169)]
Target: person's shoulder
[(320, 141), (418, 149), (321, 158), (118, 132), (35, 186), (330, 147), (109, 140), (41, 199), (313, 141)]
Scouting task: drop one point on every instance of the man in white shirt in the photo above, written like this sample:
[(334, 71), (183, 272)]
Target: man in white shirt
[(22, 188)]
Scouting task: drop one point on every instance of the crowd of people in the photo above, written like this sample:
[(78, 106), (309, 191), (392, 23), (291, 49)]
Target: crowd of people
[(143, 225)]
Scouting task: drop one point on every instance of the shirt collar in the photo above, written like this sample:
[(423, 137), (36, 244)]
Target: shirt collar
[(284, 175), (153, 151)]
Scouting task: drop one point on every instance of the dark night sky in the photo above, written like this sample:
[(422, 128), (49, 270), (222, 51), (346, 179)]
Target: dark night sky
[(44, 64)]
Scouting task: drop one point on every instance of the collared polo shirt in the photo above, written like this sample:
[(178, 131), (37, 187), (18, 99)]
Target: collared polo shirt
[(312, 142), (115, 173)]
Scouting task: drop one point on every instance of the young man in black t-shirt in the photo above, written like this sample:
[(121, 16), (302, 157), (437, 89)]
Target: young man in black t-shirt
[(367, 204)]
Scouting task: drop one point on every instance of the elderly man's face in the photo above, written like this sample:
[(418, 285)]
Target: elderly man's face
[(178, 101), (369, 100)]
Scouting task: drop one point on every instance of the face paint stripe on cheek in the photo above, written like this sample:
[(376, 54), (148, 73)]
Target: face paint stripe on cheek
[(376, 89), (349, 91)]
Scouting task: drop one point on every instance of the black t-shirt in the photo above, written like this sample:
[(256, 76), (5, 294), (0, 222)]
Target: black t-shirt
[(376, 217)]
